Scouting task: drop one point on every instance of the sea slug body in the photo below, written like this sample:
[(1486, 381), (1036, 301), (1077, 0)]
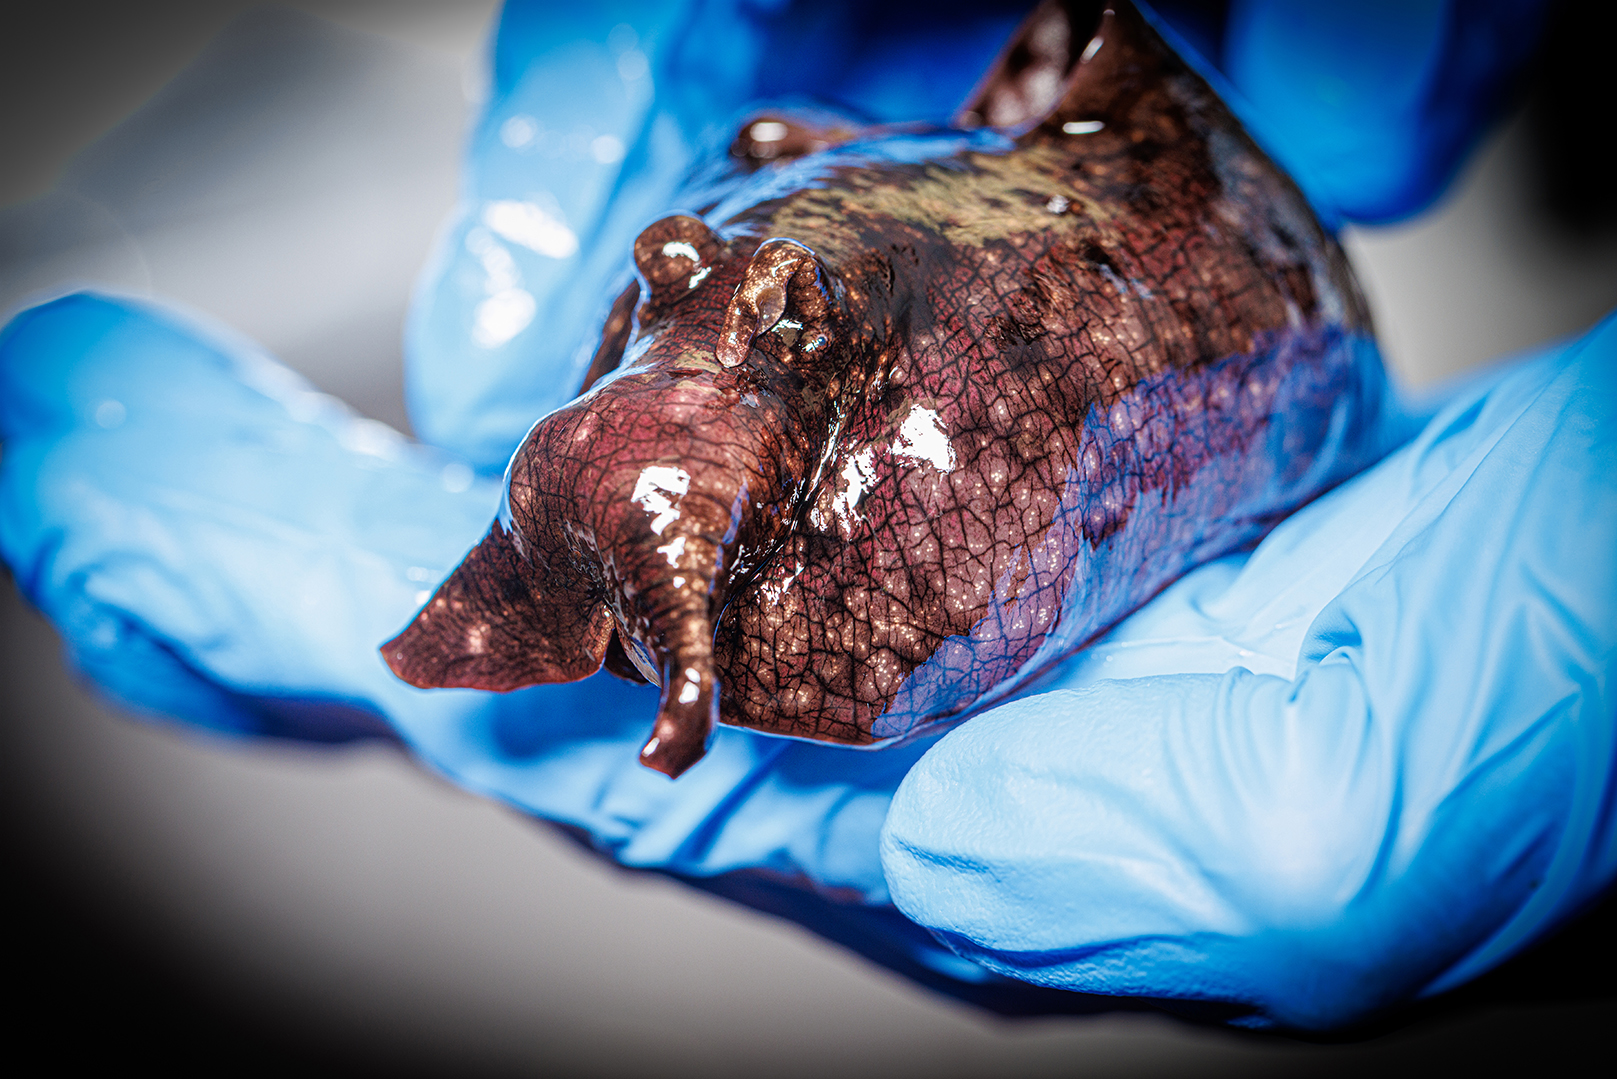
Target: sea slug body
[(911, 416)]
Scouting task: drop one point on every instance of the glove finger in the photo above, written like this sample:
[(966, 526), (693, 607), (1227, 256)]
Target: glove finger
[(164, 496), (1430, 792), (572, 155), (1373, 108)]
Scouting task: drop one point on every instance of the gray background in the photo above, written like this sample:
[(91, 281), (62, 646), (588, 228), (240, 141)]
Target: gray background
[(284, 171)]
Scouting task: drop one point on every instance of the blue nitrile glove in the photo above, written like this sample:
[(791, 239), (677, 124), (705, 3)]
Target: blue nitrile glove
[(223, 545), (1371, 105), (1367, 763), (219, 544)]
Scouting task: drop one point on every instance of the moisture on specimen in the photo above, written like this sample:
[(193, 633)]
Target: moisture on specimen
[(909, 416)]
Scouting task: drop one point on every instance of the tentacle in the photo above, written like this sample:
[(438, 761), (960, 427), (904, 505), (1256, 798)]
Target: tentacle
[(784, 274), (673, 256)]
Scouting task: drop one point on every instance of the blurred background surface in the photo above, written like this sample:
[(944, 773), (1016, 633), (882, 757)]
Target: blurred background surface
[(283, 170)]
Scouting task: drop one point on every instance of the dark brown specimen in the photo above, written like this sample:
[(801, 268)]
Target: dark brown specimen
[(864, 457)]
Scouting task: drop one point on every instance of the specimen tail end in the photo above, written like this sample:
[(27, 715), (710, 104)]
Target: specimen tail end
[(499, 623)]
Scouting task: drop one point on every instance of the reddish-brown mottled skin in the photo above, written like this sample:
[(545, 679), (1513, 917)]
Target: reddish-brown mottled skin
[(887, 446)]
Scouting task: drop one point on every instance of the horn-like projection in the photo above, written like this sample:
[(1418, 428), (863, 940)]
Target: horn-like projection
[(784, 274), (1068, 69), (673, 256)]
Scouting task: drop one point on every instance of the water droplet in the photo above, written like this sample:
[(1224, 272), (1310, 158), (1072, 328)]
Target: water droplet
[(502, 316), (455, 477), (519, 131), (633, 65)]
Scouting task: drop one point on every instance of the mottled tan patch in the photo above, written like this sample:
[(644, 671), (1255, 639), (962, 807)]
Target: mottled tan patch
[(968, 201)]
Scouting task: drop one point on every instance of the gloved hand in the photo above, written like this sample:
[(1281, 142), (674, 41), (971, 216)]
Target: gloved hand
[(1367, 763), (220, 544)]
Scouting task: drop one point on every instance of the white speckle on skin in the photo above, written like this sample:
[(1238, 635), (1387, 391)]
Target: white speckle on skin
[(673, 550), (692, 687), (680, 249), (658, 490), (858, 475), (1123, 420), (922, 439), (776, 591)]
